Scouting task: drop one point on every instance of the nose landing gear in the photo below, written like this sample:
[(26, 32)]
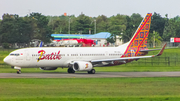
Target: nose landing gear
[(19, 71)]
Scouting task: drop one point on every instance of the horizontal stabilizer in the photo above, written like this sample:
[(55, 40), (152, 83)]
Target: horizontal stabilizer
[(147, 50)]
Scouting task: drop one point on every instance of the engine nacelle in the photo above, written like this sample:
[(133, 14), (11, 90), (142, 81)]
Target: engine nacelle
[(82, 66), (48, 68)]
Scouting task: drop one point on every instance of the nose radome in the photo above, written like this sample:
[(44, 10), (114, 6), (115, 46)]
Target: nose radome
[(7, 60)]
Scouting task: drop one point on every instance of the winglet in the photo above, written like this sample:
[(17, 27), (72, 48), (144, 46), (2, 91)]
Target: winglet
[(161, 51)]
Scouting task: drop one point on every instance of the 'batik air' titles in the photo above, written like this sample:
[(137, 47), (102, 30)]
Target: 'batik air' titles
[(52, 56), (139, 40)]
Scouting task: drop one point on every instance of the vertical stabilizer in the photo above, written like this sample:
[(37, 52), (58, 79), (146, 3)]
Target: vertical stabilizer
[(139, 39), (40, 45)]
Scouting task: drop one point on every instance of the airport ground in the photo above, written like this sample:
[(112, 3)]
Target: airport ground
[(96, 89)]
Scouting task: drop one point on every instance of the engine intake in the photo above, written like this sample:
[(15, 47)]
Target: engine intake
[(82, 66)]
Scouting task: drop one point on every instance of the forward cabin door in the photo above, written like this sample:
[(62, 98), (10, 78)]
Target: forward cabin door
[(28, 57)]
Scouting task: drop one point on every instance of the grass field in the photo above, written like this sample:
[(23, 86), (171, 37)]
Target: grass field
[(80, 89)]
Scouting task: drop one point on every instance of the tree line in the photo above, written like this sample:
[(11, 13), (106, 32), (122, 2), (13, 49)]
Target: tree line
[(15, 29)]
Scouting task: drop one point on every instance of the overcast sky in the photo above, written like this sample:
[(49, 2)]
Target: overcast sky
[(91, 8)]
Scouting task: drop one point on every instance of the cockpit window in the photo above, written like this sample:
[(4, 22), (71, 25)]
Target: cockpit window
[(14, 54)]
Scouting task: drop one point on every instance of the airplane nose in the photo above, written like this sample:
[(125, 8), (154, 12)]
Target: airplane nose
[(7, 60)]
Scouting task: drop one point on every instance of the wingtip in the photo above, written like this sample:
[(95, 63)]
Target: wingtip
[(161, 51)]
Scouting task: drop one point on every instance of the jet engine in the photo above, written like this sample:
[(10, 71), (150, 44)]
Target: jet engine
[(82, 66), (48, 68)]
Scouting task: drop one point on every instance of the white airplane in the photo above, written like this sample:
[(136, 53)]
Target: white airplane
[(84, 58)]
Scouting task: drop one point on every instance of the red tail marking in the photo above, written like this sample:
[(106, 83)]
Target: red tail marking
[(137, 33), (141, 43)]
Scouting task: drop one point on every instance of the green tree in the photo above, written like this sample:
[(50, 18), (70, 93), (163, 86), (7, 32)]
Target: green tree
[(155, 37), (15, 29), (117, 25), (72, 20), (58, 24), (177, 27), (111, 39), (24, 30), (157, 24), (42, 31), (132, 24), (0, 31), (82, 24), (102, 24), (170, 29), (7, 29)]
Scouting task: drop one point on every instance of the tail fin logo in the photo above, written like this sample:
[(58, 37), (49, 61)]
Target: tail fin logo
[(139, 40)]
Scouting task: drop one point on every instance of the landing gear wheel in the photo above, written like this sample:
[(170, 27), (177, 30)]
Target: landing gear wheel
[(92, 71), (19, 72), (70, 70)]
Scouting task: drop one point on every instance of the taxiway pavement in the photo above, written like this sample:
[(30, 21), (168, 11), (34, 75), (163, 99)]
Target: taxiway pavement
[(85, 75)]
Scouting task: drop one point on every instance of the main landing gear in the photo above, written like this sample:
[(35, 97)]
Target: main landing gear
[(92, 71), (71, 70)]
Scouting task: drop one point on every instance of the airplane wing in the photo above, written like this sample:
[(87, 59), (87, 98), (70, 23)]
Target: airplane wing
[(127, 58)]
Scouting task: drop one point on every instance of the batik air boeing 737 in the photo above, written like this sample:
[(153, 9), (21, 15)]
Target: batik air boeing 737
[(84, 58)]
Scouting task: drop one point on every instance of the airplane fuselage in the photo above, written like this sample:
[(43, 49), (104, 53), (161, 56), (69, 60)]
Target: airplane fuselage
[(61, 57)]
